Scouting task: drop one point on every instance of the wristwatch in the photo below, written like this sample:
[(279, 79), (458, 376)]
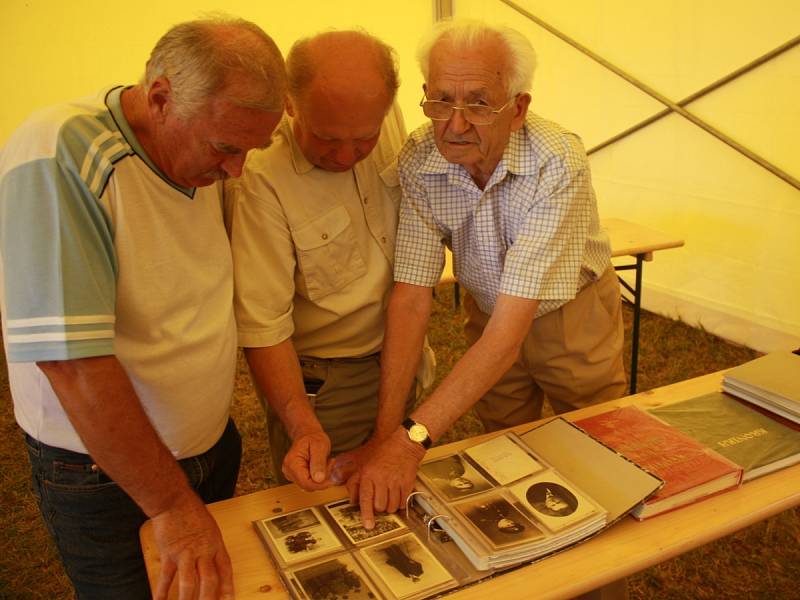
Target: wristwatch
[(417, 432)]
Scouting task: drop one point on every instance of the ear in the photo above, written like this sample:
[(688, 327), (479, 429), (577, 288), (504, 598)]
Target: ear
[(159, 99), (520, 111)]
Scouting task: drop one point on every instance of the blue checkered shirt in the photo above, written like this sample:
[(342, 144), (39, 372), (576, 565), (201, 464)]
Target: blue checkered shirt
[(533, 232)]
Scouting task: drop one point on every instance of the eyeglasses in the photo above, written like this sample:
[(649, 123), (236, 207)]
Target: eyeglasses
[(477, 114)]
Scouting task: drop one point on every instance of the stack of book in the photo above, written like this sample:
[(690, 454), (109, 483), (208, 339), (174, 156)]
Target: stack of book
[(690, 470), (771, 382), (752, 439)]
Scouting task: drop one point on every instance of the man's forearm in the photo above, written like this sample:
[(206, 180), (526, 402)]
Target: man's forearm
[(103, 407), (406, 323), (481, 366), (276, 370)]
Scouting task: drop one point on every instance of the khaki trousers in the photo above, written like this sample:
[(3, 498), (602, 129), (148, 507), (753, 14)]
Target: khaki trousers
[(346, 404), (573, 355)]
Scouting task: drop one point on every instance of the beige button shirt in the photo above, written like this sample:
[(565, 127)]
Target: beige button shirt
[(313, 249)]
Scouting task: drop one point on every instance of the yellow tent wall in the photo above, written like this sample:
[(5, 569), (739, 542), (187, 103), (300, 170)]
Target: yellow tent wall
[(739, 273)]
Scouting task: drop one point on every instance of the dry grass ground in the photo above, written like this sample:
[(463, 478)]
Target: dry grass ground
[(762, 561)]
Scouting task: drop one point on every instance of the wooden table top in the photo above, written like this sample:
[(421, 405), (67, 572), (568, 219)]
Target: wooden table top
[(625, 548)]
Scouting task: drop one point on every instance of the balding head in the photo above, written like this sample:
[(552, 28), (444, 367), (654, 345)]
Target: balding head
[(344, 63), (341, 85)]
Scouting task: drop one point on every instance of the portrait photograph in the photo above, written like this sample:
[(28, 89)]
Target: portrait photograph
[(553, 501), (499, 521), (407, 567), (301, 537), (339, 578), (504, 460), (348, 517), (453, 477)]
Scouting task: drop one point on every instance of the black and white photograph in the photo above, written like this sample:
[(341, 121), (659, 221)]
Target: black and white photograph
[(300, 536), (503, 460), (339, 578), (553, 501), (453, 477), (407, 567), (348, 518), (499, 521), (294, 521)]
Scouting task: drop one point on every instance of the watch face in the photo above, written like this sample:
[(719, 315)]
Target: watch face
[(418, 433)]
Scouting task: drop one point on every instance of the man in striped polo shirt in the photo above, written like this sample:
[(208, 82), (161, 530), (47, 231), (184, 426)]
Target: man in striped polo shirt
[(116, 303)]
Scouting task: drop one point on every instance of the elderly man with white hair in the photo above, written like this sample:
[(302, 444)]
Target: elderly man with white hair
[(510, 194)]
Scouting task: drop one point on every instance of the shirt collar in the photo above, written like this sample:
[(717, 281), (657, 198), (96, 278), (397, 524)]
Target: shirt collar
[(114, 104), (299, 161)]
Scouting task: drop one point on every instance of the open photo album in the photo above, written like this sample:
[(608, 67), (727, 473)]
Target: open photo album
[(496, 504)]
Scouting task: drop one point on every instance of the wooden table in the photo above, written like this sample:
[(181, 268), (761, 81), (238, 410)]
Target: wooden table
[(627, 239), (626, 548)]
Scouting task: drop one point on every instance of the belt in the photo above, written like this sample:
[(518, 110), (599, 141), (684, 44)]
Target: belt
[(313, 360)]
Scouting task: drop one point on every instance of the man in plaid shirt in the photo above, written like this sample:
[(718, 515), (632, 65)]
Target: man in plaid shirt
[(510, 193)]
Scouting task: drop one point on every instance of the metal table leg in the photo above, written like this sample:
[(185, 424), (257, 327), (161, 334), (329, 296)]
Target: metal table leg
[(636, 292)]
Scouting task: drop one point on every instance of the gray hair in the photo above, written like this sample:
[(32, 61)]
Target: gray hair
[(201, 58), (465, 33), (302, 60)]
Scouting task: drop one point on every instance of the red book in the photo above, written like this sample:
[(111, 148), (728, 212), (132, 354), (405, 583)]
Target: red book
[(690, 470)]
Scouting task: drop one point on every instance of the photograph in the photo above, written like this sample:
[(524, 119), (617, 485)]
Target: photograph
[(499, 521), (339, 578), (453, 477), (504, 460), (553, 501), (301, 536), (301, 519), (407, 567), (348, 518)]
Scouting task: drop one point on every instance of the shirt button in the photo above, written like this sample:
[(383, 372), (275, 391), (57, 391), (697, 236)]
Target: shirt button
[(383, 239), (324, 236), (366, 199)]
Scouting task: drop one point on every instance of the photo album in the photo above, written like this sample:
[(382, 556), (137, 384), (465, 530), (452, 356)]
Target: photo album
[(494, 505)]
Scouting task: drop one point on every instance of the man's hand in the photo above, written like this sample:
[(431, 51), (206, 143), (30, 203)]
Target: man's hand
[(190, 545), (384, 483), (348, 464), (306, 463)]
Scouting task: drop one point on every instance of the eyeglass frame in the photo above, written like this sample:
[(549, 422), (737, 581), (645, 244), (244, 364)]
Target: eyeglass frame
[(494, 112)]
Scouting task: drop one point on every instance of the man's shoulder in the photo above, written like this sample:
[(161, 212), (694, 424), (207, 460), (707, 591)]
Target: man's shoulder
[(418, 146), (551, 141), (67, 132)]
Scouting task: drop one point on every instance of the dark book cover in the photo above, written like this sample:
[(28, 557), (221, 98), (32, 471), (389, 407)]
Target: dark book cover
[(751, 439)]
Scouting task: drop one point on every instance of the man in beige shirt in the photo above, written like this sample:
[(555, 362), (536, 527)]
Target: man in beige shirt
[(313, 222)]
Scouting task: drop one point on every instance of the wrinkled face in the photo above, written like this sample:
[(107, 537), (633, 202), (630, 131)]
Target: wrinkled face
[(473, 76), (336, 130), (213, 144)]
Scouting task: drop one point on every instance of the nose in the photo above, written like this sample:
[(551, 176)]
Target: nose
[(458, 124), (233, 164), (345, 154)]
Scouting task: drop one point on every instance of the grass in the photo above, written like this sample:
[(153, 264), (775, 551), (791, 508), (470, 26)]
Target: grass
[(762, 561)]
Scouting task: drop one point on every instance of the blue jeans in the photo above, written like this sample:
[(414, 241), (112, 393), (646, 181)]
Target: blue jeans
[(95, 524)]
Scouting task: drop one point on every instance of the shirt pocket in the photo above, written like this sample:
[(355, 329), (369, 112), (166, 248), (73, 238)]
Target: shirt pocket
[(327, 253)]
